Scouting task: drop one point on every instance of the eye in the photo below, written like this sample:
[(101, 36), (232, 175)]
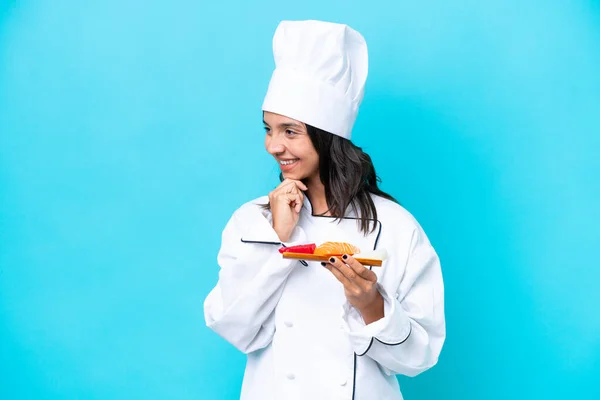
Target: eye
[(290, 132), (267, 130)]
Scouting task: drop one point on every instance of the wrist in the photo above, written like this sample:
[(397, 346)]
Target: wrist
[(373, 311), (283, 235)]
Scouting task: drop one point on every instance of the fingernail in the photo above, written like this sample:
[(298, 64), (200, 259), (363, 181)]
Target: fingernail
[(332, 260), (344, 256), (323, 264)]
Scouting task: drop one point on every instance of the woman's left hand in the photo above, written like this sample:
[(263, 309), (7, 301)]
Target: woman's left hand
[(360, 286)]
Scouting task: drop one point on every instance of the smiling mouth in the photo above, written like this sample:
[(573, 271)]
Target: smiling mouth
[(287, 162)]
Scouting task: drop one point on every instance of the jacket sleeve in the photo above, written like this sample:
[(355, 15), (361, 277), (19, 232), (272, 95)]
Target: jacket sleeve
[(410, 336), (240, 308)]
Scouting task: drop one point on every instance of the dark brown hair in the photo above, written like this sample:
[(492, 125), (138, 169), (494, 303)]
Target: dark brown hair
[(349, 177)]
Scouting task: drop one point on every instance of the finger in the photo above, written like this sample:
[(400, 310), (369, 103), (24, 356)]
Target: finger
[(287, 187), (340, 277), (301, 194), (279, 190), (345, 270), (297, 196), (299, 184), (292, 188), (294, 199), (360, 269)]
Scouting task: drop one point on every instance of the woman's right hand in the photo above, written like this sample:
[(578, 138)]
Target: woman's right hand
[(286, 202)]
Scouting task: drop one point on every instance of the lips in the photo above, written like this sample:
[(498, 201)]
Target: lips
[(288, 165)]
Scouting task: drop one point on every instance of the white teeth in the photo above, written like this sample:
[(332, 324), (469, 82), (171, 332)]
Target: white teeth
[(287, 162)]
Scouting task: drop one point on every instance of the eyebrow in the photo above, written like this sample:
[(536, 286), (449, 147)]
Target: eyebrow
[(286, 125)]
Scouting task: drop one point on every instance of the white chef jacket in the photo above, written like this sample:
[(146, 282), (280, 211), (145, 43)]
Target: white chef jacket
[(302, 338)]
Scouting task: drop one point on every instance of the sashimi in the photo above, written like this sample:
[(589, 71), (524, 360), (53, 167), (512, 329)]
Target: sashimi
[(303, 248), (377, 254), (336, 248)]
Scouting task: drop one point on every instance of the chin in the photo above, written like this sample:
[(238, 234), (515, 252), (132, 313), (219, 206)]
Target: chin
[(290, 175), (293, 175)]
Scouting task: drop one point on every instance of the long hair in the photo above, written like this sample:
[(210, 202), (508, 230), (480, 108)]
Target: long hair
[(349, 177)]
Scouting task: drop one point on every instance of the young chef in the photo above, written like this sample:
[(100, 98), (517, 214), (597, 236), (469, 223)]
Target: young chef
[(334, 330)]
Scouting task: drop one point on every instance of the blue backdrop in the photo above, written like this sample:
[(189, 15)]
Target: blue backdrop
[(131, 130)]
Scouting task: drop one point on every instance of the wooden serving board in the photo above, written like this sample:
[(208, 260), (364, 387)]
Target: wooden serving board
[(313, 257)]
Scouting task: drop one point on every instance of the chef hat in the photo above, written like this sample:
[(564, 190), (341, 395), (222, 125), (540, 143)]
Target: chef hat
[(320, 73)]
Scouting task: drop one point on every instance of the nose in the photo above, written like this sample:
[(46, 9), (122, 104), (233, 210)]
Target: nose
[(274, 144)]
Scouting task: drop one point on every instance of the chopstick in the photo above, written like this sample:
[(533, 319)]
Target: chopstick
[(314, 257)]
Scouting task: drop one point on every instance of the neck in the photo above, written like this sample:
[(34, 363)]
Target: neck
[(316, 195)]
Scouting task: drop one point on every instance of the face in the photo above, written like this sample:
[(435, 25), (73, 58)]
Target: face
[(288, 142)]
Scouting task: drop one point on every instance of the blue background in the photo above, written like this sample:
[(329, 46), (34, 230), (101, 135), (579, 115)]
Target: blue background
[(131, 130)]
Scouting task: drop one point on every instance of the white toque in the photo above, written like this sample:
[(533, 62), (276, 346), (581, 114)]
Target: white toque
[(320, 73)]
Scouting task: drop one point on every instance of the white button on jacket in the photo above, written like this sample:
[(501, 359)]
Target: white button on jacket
[(258, 290)]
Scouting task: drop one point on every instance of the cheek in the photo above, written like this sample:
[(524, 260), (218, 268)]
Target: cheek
[(308, 154), (313, 159)]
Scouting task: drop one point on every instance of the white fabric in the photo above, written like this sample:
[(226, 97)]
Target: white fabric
[(320, 73), (302, 338)]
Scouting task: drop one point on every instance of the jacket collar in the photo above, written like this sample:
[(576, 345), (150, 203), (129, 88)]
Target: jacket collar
[(308, 210)]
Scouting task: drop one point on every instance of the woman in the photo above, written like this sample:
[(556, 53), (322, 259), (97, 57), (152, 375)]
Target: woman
[(336, 330)]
